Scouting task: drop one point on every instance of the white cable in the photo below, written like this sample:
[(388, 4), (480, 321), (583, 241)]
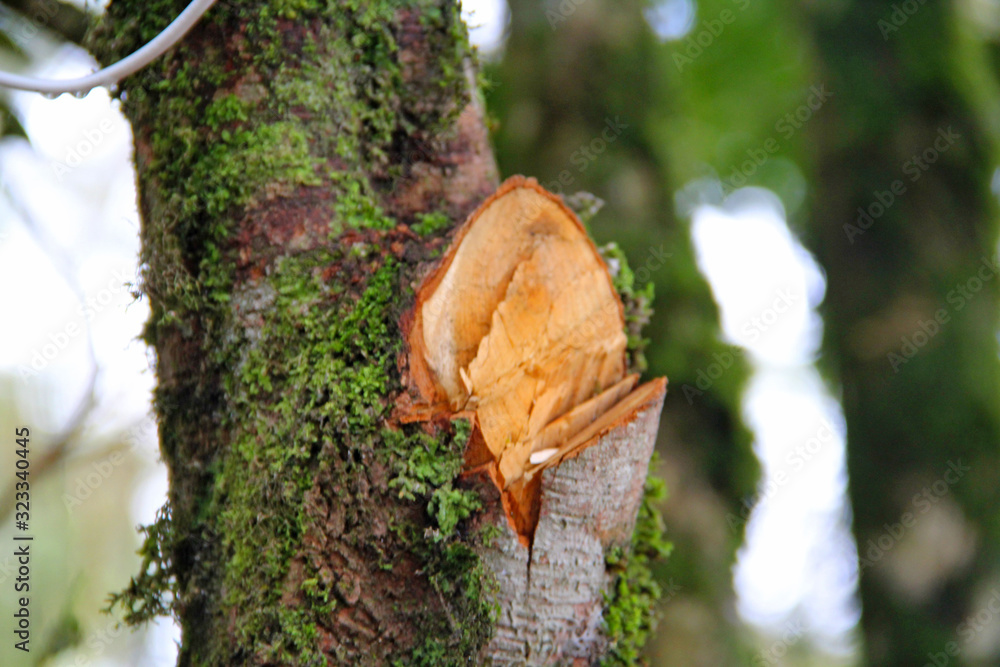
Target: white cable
[(121, 69)]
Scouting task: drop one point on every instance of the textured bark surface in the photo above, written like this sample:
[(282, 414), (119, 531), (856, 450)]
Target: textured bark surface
[(552, 595)]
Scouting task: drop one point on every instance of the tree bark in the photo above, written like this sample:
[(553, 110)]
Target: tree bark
[(553, 595), (301, 167)]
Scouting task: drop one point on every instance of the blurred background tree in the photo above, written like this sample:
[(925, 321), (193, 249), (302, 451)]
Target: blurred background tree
[(70, 369), (728, 79), (903, 219)]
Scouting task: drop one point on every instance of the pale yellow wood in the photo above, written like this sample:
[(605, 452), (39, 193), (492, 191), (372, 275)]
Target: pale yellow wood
[(515, 460), (525, 324), (520, 325)]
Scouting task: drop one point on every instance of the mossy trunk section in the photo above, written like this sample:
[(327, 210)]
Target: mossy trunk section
[(301, 166), (905, 226)]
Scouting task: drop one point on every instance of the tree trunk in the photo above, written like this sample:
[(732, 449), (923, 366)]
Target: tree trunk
[(301, 169), (905, 226)]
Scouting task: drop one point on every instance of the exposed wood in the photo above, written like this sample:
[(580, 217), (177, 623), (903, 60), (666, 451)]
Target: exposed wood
[(521, 326), (509, 264), (520, 330)]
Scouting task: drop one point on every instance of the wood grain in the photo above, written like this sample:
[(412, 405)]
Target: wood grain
[(520, 328)]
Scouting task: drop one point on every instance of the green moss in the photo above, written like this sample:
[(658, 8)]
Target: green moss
[(152, 592), (427, 470), (637, 301), (322, 357), (213, 155), (421, 462), (293, 407), (429, 654), (332, 364), (225, 110), (298, 639), (427, 467), (429, 223), (488, 533), (449, 506), (459, 575), (629, 608), (356, 207)]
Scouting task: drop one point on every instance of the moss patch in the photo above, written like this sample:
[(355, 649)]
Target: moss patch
[(637, 301), (629, 608), (318, 359), (308, 401), (325, 108), (334, 365), (152, 592), (430, 223), (426, 470)]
